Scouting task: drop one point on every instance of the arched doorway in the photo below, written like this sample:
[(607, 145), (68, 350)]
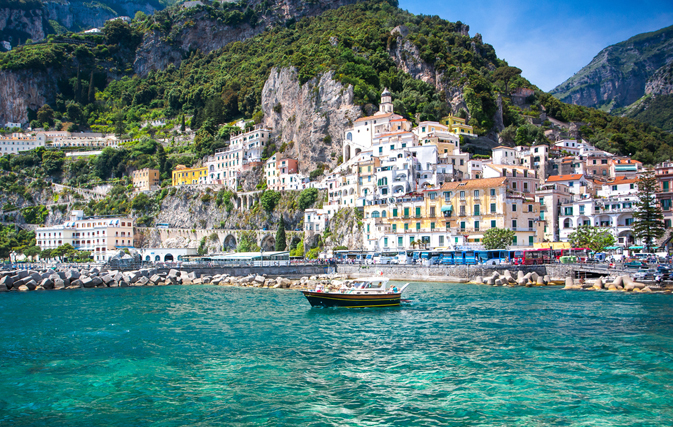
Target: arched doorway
[(157, 258), (294, 242), (168, 258), (147, 258), (229, 243)]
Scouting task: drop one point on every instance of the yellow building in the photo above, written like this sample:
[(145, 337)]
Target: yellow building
[(457, 125), (454, 215), (146, 179), (183, 175)]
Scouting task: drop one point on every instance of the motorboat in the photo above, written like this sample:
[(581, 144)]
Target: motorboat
[(371, 292)]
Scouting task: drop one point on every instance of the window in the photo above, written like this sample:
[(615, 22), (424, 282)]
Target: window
[(418, 212), (666, 185), (476, 226), (394, 228), (513, 207), (447, 196), (493, 209), (514, 242), (432, 226), (629, 221), (406, 227), (441, 240), (581, 209), (406, 212), (432, 211), (492, 223), (514, 224), (462, 194), (568, 210), (530, 240), (476, 210), (614, 188), (632, 186), (400, 241), (476, 193), (385, 242), (367, 228), (530, 208), (462, 211), (394, 212), (462, 225), (531, 224), (418, 226), (492, 191), (665, 204), (380, 150), (432, 196)]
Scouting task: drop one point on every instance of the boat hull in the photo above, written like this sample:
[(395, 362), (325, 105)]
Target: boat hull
[(329, 299)]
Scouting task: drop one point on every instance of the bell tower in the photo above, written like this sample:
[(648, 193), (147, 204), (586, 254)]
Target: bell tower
[(386, 105)]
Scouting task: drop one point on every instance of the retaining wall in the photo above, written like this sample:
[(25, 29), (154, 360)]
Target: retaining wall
[(456, 273), (287, 271)]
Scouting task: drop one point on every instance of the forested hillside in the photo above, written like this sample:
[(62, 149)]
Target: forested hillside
[(432, 66)]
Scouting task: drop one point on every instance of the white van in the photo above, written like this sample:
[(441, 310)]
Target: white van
[(644, 255)]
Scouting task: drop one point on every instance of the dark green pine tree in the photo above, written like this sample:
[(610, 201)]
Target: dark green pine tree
[(280, 236), (648, 223), (92, 91), (182, 125)]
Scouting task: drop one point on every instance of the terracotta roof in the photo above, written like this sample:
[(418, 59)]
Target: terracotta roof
[(474, 183), (557, 178), (622, 180), (626, 162), (380, 116), (502, 146)]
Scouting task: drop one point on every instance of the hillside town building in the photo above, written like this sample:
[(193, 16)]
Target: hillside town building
[(146, 179), (102, 236)]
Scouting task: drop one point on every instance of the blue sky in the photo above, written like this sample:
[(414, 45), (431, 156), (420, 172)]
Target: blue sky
[(550, 40)]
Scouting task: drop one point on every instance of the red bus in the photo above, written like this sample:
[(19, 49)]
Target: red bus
[(546, 256)]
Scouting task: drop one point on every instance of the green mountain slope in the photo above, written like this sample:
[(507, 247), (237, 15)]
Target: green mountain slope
[(90, 81), (617, 76)]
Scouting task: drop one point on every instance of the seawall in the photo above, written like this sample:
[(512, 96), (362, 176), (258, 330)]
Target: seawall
[(454, 274)]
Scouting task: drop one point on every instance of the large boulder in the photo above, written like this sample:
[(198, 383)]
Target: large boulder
[(7, 282), (142, 281), (619, 281), (47, 283), (24, 288), (155, 278), (72, 274), (191, 275), (107, 279), (77, 283), (173, 273), (260, 279), (32, 284), (59, 284), (97, 282)]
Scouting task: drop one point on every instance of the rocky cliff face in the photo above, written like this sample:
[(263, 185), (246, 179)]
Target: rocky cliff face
[(306, 114), (618, 75), (76, 15), (20, 90), (17, 25), (661, 82), (202, 32)]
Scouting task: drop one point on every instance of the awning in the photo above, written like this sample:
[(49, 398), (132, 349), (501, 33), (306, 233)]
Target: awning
[(448, 208), (612, 248), (637, 247)]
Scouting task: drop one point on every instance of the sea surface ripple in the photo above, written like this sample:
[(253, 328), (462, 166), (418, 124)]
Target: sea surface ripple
[(455, 355)]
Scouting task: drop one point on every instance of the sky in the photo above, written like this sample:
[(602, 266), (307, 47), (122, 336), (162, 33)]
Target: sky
[(550, 40)]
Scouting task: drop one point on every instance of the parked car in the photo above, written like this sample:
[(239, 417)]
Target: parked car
[(644, 275), (634, 263), (664, 272)]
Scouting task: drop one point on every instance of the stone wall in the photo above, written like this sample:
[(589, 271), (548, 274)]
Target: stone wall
[(455, 274), (287, 271)]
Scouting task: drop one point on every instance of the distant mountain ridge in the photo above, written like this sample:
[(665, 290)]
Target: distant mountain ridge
[(618, 76)]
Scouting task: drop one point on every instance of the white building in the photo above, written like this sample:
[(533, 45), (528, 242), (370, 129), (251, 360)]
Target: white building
[(621, 186), (19, 142), (97, 235), (614, 213), (316, 220), (577, 183), (360, 137), (12, 125)]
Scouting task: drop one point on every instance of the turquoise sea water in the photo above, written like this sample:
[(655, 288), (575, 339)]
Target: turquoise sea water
[(457, 355)]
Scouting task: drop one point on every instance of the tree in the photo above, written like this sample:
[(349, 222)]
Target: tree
[(307, 198), (506, 74), (270, 199), (45, 115), (498, 238), (182, 124), (648, 223), (53, 161), (161, 159), (92, 90), (119, 117), (594, 238), (281, 244)]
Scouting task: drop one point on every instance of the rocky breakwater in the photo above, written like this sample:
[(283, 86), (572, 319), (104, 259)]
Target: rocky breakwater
[(617, 284), (506, 279), (71, 278), (328, 281)]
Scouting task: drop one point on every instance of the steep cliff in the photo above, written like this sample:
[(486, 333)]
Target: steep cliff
[(18, 25), (81, 15), (21, 90), (205, 30), (307, 114), (618, 75), (661, 82)]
